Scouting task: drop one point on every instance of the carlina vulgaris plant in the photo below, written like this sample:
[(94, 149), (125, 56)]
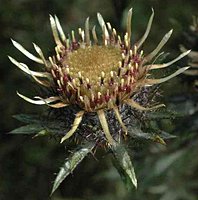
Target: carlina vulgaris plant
[(98, 75)]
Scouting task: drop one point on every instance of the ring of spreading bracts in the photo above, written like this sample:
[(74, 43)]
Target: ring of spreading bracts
[(109, 38)]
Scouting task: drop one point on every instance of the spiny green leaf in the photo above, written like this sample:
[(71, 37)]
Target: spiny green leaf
[(165, 135), (34, 122), (166, 114), (154, 135), (124, 165), (28, 129), (138, 133), (28, 118), (71, 163)]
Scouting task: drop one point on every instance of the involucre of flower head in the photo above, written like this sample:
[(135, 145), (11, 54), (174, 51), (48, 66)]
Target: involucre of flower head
[(97, 73)]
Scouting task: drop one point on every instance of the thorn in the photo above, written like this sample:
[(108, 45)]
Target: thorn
[(51, 61), (73, 36), (135, 50), (59, 83), (99, 95), (130, 52), (114, 32), (79, 75), (67, 70), (122, 82), (109, 26), (119, 39), (81, 98), (87, 80), (111, 73), (53, 74), (120, 64)]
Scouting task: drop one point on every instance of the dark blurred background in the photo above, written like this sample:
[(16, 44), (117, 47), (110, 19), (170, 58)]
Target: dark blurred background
[(27, 165)]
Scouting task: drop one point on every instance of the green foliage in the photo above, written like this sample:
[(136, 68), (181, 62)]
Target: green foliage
[(71, 163), (123, 164), (28, 129)]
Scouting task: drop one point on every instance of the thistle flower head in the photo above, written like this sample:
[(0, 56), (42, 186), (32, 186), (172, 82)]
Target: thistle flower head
[(96, 73), (192, 38)]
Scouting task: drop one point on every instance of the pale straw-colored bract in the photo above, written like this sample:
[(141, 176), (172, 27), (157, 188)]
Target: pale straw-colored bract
[(97, 74)]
